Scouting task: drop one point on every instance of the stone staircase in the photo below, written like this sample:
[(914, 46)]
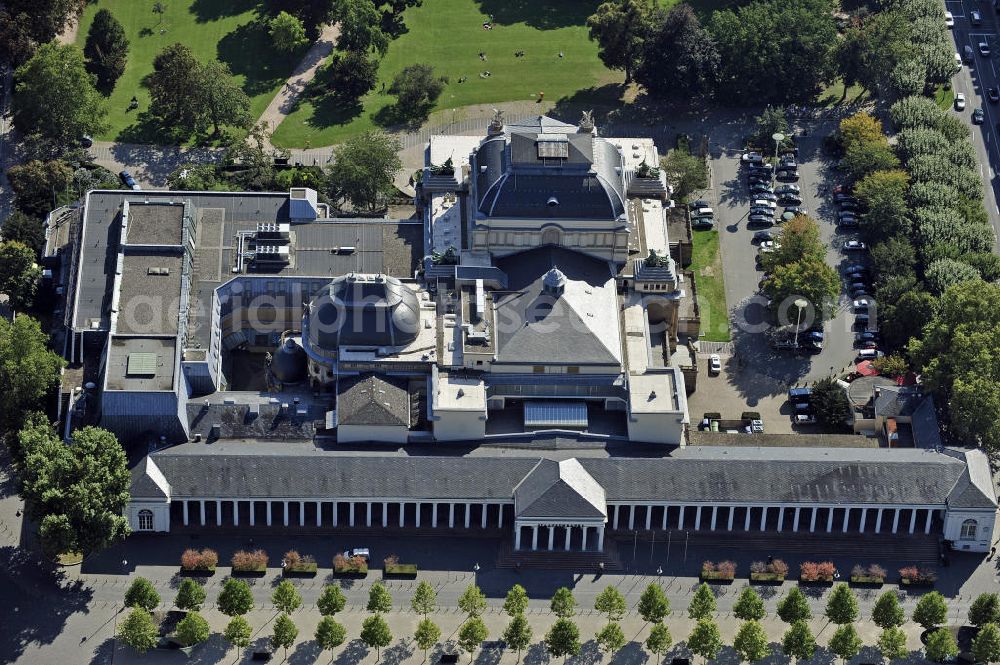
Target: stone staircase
[(573, 561)]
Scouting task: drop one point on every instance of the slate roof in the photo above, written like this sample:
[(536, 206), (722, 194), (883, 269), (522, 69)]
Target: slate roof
[(578, 328), (725, 475), (144, 483), (371, 399)]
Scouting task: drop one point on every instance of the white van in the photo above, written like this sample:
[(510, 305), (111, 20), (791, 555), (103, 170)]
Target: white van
[(763, 203), (703, 212), (869, 354)]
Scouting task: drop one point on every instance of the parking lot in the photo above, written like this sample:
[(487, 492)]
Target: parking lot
[(756, 375)]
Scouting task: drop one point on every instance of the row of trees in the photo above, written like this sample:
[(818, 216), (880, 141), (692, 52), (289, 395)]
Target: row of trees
[(27, 24), (797, 268)]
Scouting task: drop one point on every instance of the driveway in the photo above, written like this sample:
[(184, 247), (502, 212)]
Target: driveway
[(753, 370)]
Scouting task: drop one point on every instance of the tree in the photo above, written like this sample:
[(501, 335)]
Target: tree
[(284, 633), (798, 642), (659, 640), (286, 597), (931, 610), (19, 274), (687, 173), (78, 492), (192, 629), (808, 278), (472, 634), (679, 56), (426, 635), (749, 606), (516, 601), (363, 170), (789, 67), (286, 32), (190, 595), (830, 403), (331, 600), (986, 644), (563, 639), (24, 24), (416, 89), (887, 612), (985, 609), (238, 632), (347, 76), (611, 603), (224, 102), (942, 274), (702, 603), (751, 642), (610, 638), (25, 229), (424, 599), (472, 601), (517, 635), (106, 50), (563, 604), (375, 633), (794, 606), (379, 599), (235, 599), (883, 194), (845, 642), (37, 185), (892, 643), (654, 606), (842, 607), (141, 593), (620, 27), (329, 634), (705, 640), (28, 371), (138, 631), (159, 9), (360, 26), (55, 99), (941, 646)]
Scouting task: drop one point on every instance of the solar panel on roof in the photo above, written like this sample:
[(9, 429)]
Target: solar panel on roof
[(141, 364), (554, 146)]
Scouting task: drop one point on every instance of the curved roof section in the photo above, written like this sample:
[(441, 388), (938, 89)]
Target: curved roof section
[(363, 310)]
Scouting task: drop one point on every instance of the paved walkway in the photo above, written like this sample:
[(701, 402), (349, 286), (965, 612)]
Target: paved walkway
[(284, 102)]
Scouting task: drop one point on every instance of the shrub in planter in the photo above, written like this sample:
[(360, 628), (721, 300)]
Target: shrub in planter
[(712, 415), (810, 571), (350, 565), (872, 574), (392, 566), (295, 563), (768, 572), (724, 570), (249, 562), (204, 561), (914, 576), (750, 415)]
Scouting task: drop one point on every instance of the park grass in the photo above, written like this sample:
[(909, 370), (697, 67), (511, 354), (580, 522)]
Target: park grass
[(833, 94), (224, 30), (448, 34), (944, 97), (706, 264)]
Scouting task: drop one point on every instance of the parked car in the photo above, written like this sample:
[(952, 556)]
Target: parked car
[(761, 236), (861, 306), (848, 222), (848, 205), (958, 62), (978, 117), (799, 395), (714, 364), (993, 95), (854, 246), (844, 214), (760, 188), (762, 211), (796, 210), (763, 203), (760, 220), (766, 196), (804, 419), (362, 552), (703, 212), (86, 141), (769, 246), (968, 55), (700, 203), (758, 179), (976, 17), (752, 158), (788, 189), (867, 336), (128, 180), (790, 199), (702, 224), (841, 197), (984, 49), (869, 354), (959, 101), (787, 176)]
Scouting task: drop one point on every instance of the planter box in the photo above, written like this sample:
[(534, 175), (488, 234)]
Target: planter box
[(867, 580), (919, 584), (198, 572), (817, 582), (259, 571), (356, 571), (301, 570), (719, 578), (400, 570), (771, 578)]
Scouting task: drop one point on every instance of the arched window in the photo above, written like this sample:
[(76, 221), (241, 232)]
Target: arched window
[(969, 528), (145, 520)]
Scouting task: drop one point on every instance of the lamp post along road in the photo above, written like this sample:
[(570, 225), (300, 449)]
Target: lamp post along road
[(801, 304), (778, 138)]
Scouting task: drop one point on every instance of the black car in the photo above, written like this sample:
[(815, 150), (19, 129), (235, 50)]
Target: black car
[(700, 203), (790, 199), (867, 336), (761, 187), (766, 212), (758, 180), (788, 176), (978, 117), (848, 205), (848, 222), (796, 210), (993, 95), (840, 197), (761, 236), (761, 168), (760, 220)]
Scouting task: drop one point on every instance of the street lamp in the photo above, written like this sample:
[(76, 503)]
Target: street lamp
[(475, 568), (659, 570), (801, 304), (778, 138)]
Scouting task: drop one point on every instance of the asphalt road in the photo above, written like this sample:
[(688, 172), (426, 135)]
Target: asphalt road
[(974, 80), (756, 370)]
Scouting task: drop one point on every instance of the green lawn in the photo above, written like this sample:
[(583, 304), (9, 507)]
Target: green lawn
[(706, 264), (945, 97), (225, 30), (833, 94), (449, 35)]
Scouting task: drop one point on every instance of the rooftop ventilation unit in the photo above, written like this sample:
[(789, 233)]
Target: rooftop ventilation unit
[(271, 254), (272, 231)]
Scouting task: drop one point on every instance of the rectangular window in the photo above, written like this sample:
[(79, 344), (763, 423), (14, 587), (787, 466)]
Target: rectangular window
[(538, 369), (145, 520)]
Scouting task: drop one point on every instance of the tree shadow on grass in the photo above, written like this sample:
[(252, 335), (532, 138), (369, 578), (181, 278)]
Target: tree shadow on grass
[(393, 118), (332, 111), (602, 100), (212, 10), (248, 52), (548, 15)]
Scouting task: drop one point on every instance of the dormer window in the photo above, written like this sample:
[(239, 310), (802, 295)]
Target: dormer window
[(552, 146)]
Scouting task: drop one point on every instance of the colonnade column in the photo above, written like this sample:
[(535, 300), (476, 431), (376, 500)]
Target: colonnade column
[(184, 504), (600, 539), (552, 538), (350, 521), (368, 513), (715, 514), (829, 520), (584, 546), (482, 522), (763, 518), (418, 506), (680, 519), (746, 522), (218, 512), (697, 518), (847, 518), (319, 512), (402, 513), (878, 521), (517, 536), (631, 517), (302, 513), (451, 515), (201, 506), (864, 519), (732, 514), (467, 514), (812, 521), (385, 514), (895, 520), (434, 515), (534, 538), (614, 516), (781, 518), (913, 519), (569, 534), (285, 506), (927, 524), (666, 511), (795, 523), (236, 512), (269, 513)]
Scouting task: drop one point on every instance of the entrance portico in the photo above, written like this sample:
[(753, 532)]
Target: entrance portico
[(559, 506), (566, 536)]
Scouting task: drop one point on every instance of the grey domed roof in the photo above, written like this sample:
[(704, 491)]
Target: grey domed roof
[(289, 363), (363, 310)]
